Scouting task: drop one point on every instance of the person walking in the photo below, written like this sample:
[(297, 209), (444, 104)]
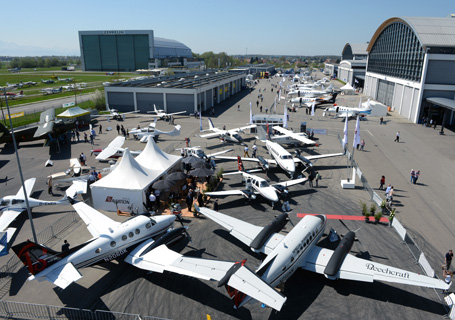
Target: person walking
[(381, 120), (255, 148), (100, 131), (413, 173), (92, 139), (397, 137), (416, 176), (245, 153), (387, 190), (260, 109), (65, 246), (118, 129), (381, 183), (49, 186), (448, 259)]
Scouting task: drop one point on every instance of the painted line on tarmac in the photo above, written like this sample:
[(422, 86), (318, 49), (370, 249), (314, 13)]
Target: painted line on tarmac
[(369, 132), (341, 217)]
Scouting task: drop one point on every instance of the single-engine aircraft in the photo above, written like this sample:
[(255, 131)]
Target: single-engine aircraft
[(161, 114), (286, 136), (113, 151), (143, 134), (199, 153), (114, 114), (231, 135)]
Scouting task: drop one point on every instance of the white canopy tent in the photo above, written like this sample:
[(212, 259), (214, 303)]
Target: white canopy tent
[(154, 158), (73, 113), (347, 89), (125, 187)]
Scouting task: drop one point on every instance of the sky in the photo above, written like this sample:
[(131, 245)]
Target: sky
[(304, 27)]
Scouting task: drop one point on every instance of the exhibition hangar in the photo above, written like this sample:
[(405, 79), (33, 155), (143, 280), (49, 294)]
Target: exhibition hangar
[(194, 92)]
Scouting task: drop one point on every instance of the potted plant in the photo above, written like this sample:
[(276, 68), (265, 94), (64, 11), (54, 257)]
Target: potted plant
[(367, 216), (363, 205), (383, 206), (372, 209), (378, 216)]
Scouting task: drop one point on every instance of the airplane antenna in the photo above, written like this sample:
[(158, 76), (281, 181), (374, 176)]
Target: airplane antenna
[(20, 169)]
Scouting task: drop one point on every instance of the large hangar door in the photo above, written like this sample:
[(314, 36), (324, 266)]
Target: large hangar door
[(385, 92), (122, 101), (180, 102), (406, 107), (145, 101)]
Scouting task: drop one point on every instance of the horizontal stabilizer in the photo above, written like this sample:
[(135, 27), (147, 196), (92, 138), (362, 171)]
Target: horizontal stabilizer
[(64, 275)]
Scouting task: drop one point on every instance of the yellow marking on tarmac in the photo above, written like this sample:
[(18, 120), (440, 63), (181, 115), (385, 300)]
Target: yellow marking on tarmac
[(209, 317)]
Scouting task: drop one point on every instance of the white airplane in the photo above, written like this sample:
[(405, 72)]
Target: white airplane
[(299, 249), (231, 135), (51, 90), (76, 172), (111, 240), (114, 114), (301, 92), (308, 101), (199, 153), (341, 112), (65, 79), (286, 136), (143, 134), (258, 186), (13, 206), (161, 114), (113, 151)]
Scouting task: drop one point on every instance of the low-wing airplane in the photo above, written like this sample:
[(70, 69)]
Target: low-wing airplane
[(286, 136), (13, 95), (114, 114), (111, 240), (51, 90), (76, 172), (199, 153), (308, 101), (341, 112), (256, 185), (29, 83), (161, 114), (231, 135), (65, 79), (113, 151), (12, 206), (299, 249), (143, 134), (49, 81), (302, 92)]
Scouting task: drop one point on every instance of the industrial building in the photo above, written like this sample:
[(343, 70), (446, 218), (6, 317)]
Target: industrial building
[(129, 50), (411, 67), (352, 67), (190, 92)]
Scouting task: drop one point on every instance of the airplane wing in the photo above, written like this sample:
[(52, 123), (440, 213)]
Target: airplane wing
[(227, 193), (357, 269), (63, 276), (130, 112), (290, 182), (218, 153), (173, 133), (163, 259), (46, 123), (8, 216), (28, 186), (244, 231), (74, 163), (180, 112), (210, 135), (294, 135), (272, 161), (97, 223), (111, 149), (236, 130), (77, 187), (321, 156)]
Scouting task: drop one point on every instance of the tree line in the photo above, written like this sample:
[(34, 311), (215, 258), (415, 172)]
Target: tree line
[(43, 62)]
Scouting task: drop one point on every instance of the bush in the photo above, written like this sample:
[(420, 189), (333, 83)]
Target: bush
[(378, 216), (363, 205), (373, 209), (100, 100)]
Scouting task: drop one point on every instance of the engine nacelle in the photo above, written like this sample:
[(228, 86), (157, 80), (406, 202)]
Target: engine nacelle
[(273, 227), (334, 264)]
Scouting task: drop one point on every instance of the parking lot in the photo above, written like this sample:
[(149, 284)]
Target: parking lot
[(117, 286)]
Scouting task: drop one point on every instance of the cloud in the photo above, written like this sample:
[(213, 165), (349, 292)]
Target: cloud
[(14, 49)]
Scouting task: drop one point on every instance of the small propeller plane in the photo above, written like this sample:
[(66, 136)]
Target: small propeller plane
[(113, 151), (231, 135), (161, 114), (256, 185), (199, 153), (143, 134), (51, 90), (13, 206), (286, 136), (49, 81), (114, 114), (342, 112)]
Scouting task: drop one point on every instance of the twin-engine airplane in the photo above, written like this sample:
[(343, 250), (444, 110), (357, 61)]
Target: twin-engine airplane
[(256, 185), (231, 135), (13, 206)]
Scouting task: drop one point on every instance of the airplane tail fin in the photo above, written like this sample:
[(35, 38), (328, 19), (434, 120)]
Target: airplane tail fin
[(211, 126), (37, 257), (334, 97)]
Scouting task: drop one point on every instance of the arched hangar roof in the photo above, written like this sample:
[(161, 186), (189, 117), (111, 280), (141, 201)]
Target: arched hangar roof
[(170, 48), (356, 48), (431, 32)]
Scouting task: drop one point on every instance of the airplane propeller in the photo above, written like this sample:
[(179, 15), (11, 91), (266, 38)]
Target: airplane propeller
[(179, 219)]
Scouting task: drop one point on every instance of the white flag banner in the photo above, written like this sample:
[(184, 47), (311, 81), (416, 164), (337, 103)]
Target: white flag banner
[(200, 122), (357, 133), (312, 108), (285, 120), (274, 106), (360, 104), (251, 114), (345, 139)]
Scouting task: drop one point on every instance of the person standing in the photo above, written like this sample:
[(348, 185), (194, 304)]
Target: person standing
[(255, 148), (85, 137), (189, 199), (200, 199), (416, 177), (362, 144), (215, 205), (413, 174), (118, 129), (260, 109), (100, 129), (397, 137), (65, 246), (318, 177), (381, 183), (83, 158), (49, 186), (238, 108), (310, 179), (381, 120), (92, 139), (157, 196), (448, 259), (78, 135), (152, 200), (245, 153)]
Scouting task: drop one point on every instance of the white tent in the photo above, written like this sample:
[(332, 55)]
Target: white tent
[(154, 158), (125, 187), (73, 113), (347, 89)]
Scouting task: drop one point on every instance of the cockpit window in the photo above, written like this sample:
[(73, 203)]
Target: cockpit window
[(3, 202), (264, 184), (17, 201), (286, 157)]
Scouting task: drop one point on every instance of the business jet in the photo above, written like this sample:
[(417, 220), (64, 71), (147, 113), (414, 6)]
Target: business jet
[(299, 249), (113, 151), (308, 101), (301, 92), (114, 114), (161, 114), (143, 134), (256, 185), (231, 135), (12, 206), (342, 112), (111, 240)]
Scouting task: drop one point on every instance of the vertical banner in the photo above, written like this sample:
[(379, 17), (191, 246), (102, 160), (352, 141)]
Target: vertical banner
[(345, 139), (357, 133), (312, 108), (200, 121), (251, 114), (285, 120)]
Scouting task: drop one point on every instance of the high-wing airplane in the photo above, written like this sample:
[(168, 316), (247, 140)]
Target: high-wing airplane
[(161, 114), (113, 151), (341, 112), (13, 206), (299, 249), (114, 114), (49, 81), (49, 128), (231, 135), (256, 185), (143, 134), (51, 90), (111, 240)]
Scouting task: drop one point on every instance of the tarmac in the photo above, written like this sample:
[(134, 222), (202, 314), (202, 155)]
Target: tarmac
[(425, 209)]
